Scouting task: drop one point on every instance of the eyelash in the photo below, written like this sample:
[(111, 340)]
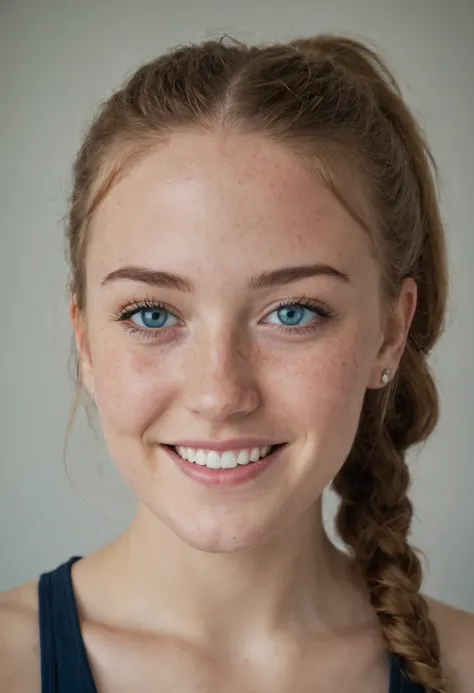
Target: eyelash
[(150, 333)]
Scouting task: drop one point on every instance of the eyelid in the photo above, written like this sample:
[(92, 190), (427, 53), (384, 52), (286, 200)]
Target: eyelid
[(304, 301), (136, 305)]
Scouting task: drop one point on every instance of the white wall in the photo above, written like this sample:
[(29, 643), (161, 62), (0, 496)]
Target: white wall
[(57, 60)]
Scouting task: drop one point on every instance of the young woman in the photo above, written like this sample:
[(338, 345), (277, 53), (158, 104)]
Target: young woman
[(258, 275)]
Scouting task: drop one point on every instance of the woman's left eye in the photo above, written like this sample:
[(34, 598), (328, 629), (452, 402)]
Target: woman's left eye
[(299, 316)]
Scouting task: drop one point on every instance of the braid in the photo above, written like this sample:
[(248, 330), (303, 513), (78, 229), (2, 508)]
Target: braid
[(375, 516)]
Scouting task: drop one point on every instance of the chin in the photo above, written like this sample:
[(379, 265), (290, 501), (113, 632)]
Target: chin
[(213, 532)]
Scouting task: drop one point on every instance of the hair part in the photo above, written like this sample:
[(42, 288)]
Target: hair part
[(334, 101)]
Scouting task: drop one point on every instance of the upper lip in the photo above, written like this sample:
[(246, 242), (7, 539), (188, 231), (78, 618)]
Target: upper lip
[(222, 445)]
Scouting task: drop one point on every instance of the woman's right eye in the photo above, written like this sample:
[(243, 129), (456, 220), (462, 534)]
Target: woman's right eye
[(152, 318), (146, 319)]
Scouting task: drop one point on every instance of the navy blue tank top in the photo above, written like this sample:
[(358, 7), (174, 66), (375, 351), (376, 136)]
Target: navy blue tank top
[(64, 664)]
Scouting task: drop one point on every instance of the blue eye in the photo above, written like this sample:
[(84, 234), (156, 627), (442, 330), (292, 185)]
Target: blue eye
[(152, 319), (292, 315), (300, 315)]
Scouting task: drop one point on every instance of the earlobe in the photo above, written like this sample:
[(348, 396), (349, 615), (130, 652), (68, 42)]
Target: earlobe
[(79, 327), (395, 335)]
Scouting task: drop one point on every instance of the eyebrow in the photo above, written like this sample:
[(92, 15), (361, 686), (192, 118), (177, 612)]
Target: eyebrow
[(268, 279)]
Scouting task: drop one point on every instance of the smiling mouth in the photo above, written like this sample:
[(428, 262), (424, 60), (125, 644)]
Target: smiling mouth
[(230, 459)]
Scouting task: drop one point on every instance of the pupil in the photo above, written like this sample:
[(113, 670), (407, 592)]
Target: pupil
[(293, 314), (151, 317)]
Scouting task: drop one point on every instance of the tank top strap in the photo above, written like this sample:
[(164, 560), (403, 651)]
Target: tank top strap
[(399, 683), (64, 664)]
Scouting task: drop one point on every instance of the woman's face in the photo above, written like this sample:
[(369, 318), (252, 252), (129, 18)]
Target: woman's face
[(187, 337)]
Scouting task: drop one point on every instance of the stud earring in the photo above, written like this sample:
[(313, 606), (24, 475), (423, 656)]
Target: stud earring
[(386, 376)]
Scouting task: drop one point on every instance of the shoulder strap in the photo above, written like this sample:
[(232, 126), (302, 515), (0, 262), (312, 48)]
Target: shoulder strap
[(64, 664)]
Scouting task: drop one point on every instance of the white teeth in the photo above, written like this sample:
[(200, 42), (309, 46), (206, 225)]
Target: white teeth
[(243, 457), (201, 458), (213, 460), (226, 460), (255, 455)]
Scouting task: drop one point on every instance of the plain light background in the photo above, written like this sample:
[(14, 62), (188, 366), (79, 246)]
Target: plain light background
[(57, 61)]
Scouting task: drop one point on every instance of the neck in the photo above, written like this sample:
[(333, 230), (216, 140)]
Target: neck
[(297, 580)]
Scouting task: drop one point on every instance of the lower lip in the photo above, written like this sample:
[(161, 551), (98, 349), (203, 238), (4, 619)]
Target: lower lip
[(224, 477)]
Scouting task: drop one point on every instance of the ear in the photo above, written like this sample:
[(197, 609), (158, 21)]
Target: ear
[(79, 326), (395, 332)]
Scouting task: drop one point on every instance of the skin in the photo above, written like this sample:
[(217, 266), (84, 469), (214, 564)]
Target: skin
[(237, 589)]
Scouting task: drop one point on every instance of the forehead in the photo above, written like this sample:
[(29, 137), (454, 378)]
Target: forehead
[(219, 201)]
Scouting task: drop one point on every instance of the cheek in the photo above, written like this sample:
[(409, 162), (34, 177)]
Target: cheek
[(328, 382), (134, 386), (322, 396)]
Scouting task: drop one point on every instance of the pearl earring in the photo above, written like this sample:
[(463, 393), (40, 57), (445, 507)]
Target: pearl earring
[(386, 376)]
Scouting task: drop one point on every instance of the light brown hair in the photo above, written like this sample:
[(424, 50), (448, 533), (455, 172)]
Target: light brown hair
[(334, 100)]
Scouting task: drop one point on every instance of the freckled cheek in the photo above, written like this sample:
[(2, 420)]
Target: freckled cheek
[(324, 388), (134, 386)]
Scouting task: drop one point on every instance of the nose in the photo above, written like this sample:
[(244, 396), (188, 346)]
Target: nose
[(220, 381)]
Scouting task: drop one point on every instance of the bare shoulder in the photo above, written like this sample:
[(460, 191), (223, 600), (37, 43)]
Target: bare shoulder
[(19, 640), (456, 635)]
